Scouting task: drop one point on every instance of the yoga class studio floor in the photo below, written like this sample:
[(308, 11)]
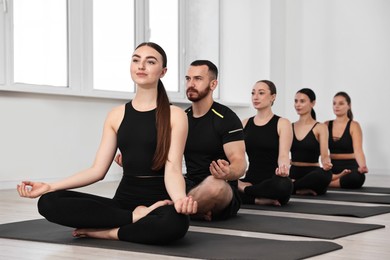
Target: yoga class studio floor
[(374, 244)]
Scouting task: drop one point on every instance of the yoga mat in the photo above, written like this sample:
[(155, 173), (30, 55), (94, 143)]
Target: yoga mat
[(338, 196), (324, 209), (289, 226), (369, 189), (193, 245)]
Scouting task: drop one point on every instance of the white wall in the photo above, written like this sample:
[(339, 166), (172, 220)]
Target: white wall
[(47, 137), (334, 45), (327, 45)]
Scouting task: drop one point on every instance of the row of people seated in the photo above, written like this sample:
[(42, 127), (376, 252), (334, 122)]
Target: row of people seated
[(153, 201), (269, 140)]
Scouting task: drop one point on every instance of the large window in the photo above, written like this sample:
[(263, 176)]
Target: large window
[(40, 42), (113, 42), (163, 29), (83, 47)]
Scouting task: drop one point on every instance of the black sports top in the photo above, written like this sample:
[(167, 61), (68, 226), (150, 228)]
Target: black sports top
[(137, 141), (262, 147), (206, 137), (307, 149), (344, 143)]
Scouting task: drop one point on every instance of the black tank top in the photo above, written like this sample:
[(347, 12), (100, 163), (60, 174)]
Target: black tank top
[(306, 150), (262, 147), (344, 143), (137, 141)]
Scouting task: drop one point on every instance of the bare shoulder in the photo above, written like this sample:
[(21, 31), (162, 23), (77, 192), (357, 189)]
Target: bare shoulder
[(321, 126), (177, 114), (177, 111), (355, 124), (116, 112), (115, 116), (326, 122), (284, 122), (355, 127)]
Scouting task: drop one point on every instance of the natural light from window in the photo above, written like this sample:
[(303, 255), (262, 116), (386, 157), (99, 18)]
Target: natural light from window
[(40, 42), (113, 44), (164, 30)]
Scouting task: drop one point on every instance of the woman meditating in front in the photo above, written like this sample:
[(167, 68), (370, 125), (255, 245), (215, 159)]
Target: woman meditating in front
[(150, 205)]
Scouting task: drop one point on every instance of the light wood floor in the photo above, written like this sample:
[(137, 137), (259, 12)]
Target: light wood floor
[(368, 245)]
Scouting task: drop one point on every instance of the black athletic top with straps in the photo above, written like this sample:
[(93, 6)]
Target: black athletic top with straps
[(344, 143), (138, 129), (262, 147), (307, 149), (206, 137)]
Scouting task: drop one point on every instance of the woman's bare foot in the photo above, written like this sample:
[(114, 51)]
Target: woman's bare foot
[(341, 174), (141, 211), (263, 201), (97, 233), (335, 183), (306, 192), (242, 185)]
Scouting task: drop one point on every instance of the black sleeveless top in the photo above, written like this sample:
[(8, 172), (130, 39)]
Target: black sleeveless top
[(137, 141), (262, 147), (307, 149), (344, 143)]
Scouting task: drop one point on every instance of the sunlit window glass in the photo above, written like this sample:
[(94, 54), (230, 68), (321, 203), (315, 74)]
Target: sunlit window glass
[(113, 44), (40, 42), (164, 30)]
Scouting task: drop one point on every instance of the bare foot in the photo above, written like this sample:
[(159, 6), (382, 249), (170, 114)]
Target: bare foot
[(202, 216), (242, 185), (141, 211), (341, 174), (263, 201), (306, 192), (208, 216), (96, 233)]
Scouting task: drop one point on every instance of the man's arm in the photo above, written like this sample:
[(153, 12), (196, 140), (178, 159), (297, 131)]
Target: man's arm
[(235, 153)]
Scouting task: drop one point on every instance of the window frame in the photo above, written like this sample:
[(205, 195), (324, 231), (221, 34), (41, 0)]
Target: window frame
[(80, 53)]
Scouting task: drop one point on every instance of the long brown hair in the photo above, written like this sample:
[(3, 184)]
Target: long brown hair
[(163, 116)]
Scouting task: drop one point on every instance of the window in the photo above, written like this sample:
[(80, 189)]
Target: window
[(40, 42), (84, 48), (164, 30), (113, 43)]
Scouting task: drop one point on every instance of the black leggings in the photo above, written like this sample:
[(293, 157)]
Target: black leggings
[(310, 177), (275, 188), (80, 210), (353, 180)]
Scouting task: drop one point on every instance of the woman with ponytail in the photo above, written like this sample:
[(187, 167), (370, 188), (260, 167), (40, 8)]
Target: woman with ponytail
[(346, 146), (150, 205), (268, 139), (310, 141)]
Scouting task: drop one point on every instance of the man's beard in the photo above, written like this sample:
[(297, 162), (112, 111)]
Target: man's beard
[(200, 95)]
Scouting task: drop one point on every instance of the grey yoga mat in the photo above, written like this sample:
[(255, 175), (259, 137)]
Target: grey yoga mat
[(351, 197), (324, 209), (193, 245), (364, 189), (289, 226)]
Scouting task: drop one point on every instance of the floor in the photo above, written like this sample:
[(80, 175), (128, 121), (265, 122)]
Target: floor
[(367, 245)]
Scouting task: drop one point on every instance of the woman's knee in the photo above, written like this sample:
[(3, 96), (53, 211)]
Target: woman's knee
[(354, 180), (283, 186), (162, 226), (176, 224), (45, 203), (48, 203)]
